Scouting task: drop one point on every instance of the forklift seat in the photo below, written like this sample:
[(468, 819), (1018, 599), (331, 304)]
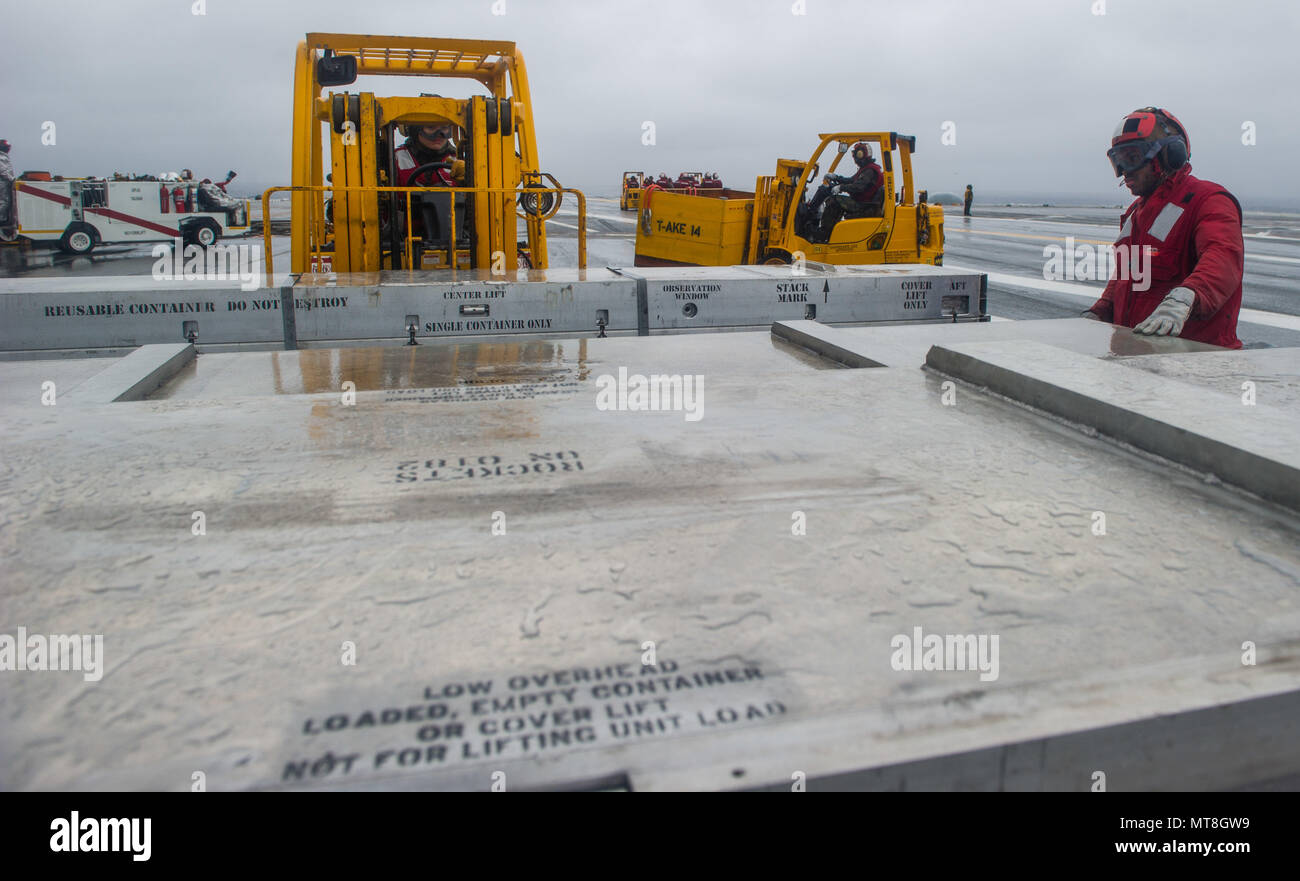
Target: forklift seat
[(434, 210)]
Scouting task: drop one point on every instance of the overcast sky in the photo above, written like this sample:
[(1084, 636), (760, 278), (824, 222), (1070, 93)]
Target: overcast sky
[(1034, 88)]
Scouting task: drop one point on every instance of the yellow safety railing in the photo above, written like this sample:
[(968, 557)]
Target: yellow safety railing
[(452, 239)]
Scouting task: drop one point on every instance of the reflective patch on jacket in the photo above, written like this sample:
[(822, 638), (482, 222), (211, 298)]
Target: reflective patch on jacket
[(1165, 221)]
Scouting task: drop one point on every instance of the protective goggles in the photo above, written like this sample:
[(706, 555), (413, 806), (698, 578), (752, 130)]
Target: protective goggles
[(437, 131), (1130, 157)]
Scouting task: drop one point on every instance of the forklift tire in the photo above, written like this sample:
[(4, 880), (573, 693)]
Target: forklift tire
[(78, 238), (776, 258)]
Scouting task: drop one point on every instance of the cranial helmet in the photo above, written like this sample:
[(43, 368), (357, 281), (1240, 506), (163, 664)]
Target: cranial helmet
[(1145, 134)]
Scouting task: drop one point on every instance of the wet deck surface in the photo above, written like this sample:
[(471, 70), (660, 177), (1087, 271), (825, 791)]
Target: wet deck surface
[(371, 524), (907, 346), (480, 367), (1273, 374)]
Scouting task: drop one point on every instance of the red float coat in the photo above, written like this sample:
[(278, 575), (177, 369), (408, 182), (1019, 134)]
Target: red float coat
[(1193, 230)]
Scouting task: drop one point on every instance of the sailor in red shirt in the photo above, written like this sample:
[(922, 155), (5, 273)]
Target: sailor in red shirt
[(1191, 229), (425, 144)]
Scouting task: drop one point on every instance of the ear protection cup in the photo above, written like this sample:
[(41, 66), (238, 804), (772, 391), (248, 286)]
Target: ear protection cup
[(1174, 154)]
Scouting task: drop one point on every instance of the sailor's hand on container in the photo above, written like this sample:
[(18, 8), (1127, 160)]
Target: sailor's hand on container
[(1170, 316)]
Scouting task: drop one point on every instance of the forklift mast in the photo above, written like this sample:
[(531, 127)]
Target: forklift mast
[(497, 145)]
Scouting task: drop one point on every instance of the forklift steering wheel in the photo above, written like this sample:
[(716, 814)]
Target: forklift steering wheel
[(425, 170)]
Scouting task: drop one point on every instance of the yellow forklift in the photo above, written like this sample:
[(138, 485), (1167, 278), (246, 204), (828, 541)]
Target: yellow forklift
[(725, 227), (348, 212), (633, 183)]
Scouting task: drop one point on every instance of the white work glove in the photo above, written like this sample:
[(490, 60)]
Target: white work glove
[(1170, 315)]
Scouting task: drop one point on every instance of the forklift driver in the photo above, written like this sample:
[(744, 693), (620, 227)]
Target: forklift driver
[(859, 196), (425, 144)]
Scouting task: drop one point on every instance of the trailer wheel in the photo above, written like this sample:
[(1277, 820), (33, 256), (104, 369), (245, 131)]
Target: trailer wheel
[(78, 238)]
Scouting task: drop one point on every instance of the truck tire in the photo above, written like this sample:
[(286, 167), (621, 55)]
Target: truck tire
[(203, 233), (78, 238)]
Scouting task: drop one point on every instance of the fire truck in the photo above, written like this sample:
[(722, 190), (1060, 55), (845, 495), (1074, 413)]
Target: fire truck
[(81, 214)]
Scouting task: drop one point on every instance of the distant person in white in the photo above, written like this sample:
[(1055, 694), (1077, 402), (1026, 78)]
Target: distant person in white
[(8, 227)]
